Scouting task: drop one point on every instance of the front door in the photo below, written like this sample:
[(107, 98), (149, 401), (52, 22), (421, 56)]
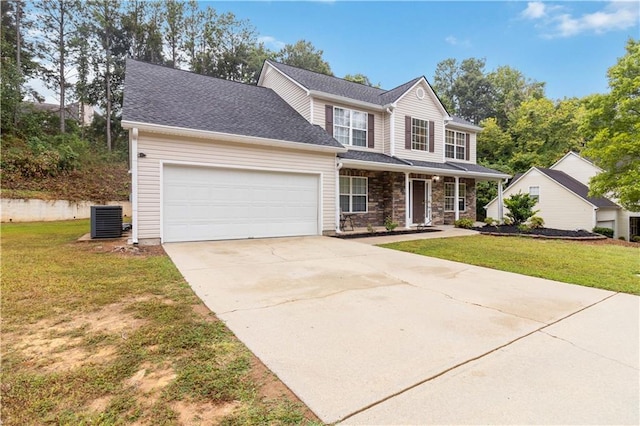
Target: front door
[(420, 202)]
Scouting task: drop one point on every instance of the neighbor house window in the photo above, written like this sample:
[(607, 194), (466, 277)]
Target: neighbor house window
[(350, 127), (534, 192), (450, 196), (455, 145), (353, 194), (419, 134)]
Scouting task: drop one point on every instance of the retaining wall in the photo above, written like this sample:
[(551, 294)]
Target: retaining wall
[(17, 210)]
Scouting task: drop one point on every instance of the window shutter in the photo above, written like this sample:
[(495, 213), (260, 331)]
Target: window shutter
[(407, 132), (432, 138), (370, 131), (467, 147), (328, 119)]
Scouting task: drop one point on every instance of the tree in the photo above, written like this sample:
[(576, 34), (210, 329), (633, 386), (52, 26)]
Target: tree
[(510, 89), (613, 121), (473, 92), (174, 29), (444, 79), (361, 79), (57, 25), (495, 145), (520, 207), (304, 55)]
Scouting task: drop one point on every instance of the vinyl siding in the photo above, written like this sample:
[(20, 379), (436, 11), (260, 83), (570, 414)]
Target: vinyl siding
[(292, 94), (560, 208), (577, 168), (319, 119), (172, 148)]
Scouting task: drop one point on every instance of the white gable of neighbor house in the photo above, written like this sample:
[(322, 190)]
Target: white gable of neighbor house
[(559, 207), (577, 167)]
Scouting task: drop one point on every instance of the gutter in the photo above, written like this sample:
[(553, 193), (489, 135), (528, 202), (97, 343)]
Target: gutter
[(229, 137), (349, 101)]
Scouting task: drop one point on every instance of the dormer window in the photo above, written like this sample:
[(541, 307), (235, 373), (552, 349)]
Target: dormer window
[(350, 126), (456, 145)]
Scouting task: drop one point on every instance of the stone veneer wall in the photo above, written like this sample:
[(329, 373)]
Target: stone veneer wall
[(385, 197)]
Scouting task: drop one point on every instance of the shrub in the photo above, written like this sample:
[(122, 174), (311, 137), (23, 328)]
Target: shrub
[(635, 239), (621, 238), (463, 223), (607, 232), (507, 220), (390, 224), (536, 222), (489, 221), (520, 207), (523, 227), (370, 228)]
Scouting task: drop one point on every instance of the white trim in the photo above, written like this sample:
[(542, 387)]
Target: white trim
[(367, 165), (310, 110), (428, 219), (432, 94), (133, 137), (337, 199), (351, 128), (392, 131), (232, 167), (456, 205), (464, 126), (260, 79), (351, 194), (228, 137), (407, 185)]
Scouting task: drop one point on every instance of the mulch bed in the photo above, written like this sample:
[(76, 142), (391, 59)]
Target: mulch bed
[(551, 233), (385, 233)]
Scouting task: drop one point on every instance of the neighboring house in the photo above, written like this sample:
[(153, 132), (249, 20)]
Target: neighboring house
[(72, 111), (562, 192), (215, 159)]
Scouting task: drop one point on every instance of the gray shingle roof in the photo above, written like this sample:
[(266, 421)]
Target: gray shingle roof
[(161, 95), (340, 87), (474, 168), (459, 120), (577, 187), (373, 157)]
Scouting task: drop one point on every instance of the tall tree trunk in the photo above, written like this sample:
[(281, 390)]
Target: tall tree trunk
[(18, 58), (61, 50), (108, 75)]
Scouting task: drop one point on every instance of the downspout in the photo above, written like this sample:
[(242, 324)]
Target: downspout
[(337, 218), (407, 225), (133, 134)]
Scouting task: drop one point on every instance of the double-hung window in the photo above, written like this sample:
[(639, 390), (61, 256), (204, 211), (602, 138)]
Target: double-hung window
[(450, 196), (455, 145), (350, 127), (419, 134), (534, 192), (353, 194)]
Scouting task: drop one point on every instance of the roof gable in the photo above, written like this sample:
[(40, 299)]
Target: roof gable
[(578, 188), (165, 96), (314, 81), (574, 155)]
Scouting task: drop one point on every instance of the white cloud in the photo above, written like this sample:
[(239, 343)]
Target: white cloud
[(271, 42), (455, 42), (559, 22), (534, 10)]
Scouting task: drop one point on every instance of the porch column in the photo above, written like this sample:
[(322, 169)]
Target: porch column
[(337, 216), (456, 205), (407, 225), (500, 202)]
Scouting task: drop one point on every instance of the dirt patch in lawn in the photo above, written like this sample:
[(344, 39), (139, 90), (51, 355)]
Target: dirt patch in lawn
[(121, 247), (202, 413)]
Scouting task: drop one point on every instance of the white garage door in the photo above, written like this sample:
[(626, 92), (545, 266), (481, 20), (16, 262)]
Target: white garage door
[(202, 203)]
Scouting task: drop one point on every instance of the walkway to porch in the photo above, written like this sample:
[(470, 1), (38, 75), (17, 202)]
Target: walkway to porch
[(363, 235)]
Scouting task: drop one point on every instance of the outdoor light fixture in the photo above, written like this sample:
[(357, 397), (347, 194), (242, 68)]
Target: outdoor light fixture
[(435, 178), (141, 155)]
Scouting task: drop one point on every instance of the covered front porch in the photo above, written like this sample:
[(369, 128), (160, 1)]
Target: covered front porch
[(375, 190)]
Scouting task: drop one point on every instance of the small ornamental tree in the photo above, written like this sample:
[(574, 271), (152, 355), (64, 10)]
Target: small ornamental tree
[(520, 207)]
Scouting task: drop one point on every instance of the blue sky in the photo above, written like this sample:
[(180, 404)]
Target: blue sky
[(568, 45)]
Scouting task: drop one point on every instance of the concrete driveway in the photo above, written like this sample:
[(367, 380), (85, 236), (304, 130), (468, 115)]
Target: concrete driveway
[(366, 335)]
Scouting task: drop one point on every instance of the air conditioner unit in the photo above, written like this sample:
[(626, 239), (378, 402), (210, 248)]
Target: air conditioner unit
[(106, 221)]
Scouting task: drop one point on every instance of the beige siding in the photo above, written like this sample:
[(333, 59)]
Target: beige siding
[(173, 148), (577, 168), (558, 207), (622, 223), (424, 109), (293, 94), (319, 119), (473, 144)]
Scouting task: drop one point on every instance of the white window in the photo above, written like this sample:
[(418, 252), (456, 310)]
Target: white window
[(350, 127), (450, 196), (534, 192), (455, 145), (353, 194), (419, 134)]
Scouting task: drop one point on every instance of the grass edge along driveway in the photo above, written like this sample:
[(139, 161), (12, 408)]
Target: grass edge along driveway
[(96, 333), (606, 266)]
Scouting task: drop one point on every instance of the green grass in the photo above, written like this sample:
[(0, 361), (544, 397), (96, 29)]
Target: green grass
[(49, 281), (610, 267)]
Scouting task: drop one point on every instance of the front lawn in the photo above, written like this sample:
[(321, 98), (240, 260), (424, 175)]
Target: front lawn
[(610, 267), (99, 333)]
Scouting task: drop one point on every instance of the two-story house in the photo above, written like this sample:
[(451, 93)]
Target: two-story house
[(214, 159)]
